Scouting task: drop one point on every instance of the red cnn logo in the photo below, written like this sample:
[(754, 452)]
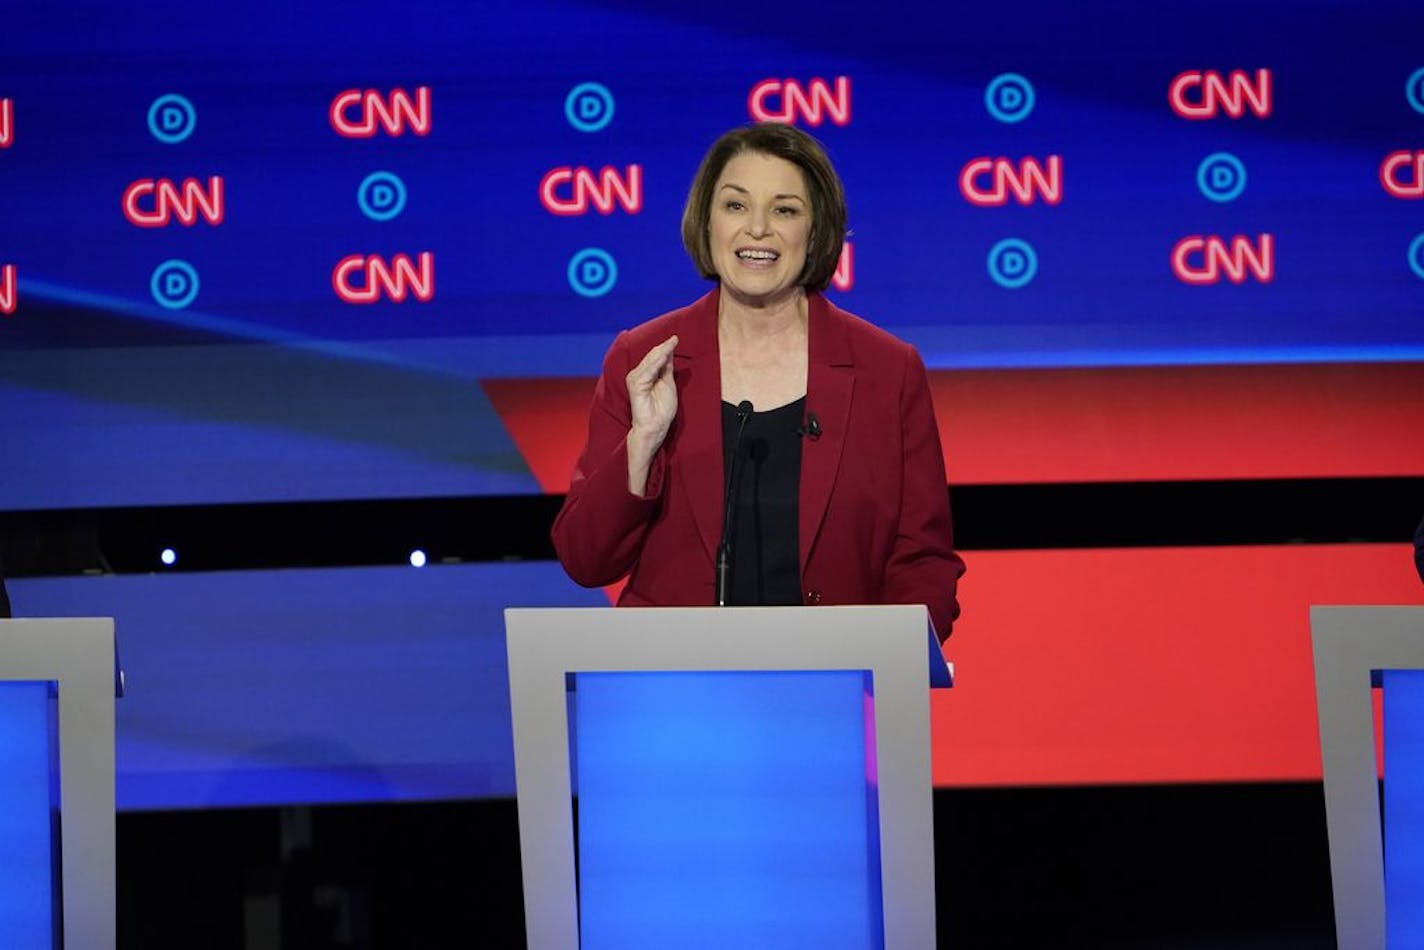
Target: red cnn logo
[(844, 277), (1201, 259), (393, 281), (7, 122), (356, 114), (603, 191), (988, 182), (7, 289), (807, 101), (1391, 176), (184, 202), (1197, 94)]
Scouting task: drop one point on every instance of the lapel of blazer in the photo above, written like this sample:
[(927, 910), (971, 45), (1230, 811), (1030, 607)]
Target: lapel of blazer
[(830, 379), (698, 456)]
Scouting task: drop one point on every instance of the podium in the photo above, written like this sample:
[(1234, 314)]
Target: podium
[(57, 681), (1376, 867), (750, 777)]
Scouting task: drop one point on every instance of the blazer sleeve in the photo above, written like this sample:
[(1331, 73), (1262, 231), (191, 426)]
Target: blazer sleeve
[(923, 568), (598, 534)]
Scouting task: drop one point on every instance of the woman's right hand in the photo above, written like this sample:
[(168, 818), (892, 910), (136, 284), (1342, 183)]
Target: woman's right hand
[(652, 400)]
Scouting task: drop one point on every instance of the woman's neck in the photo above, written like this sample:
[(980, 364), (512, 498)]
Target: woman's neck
[(761, 321)]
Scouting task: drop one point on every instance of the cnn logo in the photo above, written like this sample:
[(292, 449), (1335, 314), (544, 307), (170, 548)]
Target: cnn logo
[(369, 278), (155, 202), (358, 114), (569, 191), (990, 182), (786, 100), (1205, 94), (1393, 170), (7, 122), (8, 293), (1200, 260)]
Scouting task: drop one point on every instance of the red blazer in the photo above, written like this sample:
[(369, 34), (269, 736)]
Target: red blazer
[(874, 506)]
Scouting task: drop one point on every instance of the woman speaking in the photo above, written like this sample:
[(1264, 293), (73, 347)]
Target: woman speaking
[(762, 446)]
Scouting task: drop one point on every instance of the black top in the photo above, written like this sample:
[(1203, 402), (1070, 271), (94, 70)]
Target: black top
[(766, 569)]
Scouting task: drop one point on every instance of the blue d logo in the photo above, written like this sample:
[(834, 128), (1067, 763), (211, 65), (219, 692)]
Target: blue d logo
[(592, 272), (1221, 177), (174, 284), (1009, 98), (172, 118), (1416, 255), (1012, 263), (381, 196), (1414, 90), (589, 107)]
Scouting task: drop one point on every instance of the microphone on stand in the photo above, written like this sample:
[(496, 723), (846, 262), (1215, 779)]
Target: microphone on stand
[(729, 498)]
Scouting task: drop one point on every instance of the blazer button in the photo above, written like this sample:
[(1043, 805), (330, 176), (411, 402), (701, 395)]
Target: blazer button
[(813, 597)]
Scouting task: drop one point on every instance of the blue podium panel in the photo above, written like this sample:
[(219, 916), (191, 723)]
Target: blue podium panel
[(727, 809), (1404, 807), (27, 873)]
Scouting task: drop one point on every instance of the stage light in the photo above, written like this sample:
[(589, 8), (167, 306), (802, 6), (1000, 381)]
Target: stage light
[(168, 556), (417, 558)]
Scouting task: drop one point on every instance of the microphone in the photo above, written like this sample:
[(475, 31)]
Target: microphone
[(812, 428), (724, 547)]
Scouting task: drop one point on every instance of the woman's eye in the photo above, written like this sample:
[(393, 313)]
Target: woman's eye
[(787, 211), (733, 205)]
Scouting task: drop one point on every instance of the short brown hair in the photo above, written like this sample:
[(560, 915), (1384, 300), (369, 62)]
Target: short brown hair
[(826, 195)]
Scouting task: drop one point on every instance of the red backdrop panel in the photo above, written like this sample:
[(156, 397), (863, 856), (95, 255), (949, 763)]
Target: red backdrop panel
[(1181, 423), (1099, 425), (548, 420), (1147, 665)]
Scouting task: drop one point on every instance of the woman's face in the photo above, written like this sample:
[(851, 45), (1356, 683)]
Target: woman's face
[(760, 224)]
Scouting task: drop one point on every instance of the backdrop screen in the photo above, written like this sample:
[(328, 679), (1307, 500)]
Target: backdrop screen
[(264, 251)]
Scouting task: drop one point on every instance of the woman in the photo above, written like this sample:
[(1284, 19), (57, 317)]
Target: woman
[(840, 494)]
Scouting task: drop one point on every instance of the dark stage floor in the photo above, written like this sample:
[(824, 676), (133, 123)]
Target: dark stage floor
[(1224, 866)]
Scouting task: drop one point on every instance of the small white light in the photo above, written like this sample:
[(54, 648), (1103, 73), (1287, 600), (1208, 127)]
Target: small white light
[(169, 557), (417, 558)]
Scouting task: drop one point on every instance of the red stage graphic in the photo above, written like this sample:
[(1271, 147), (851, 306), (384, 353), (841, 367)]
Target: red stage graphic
[(1099, 425), (1147, 665)]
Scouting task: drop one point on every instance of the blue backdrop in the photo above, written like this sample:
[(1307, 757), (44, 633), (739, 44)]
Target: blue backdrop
[(218, 356)]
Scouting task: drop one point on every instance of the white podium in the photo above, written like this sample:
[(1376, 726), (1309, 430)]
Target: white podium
[(1353, 646), (754, 776), (68, 664)]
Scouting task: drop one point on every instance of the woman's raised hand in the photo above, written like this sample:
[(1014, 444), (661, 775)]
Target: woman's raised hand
[(652, 400)]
